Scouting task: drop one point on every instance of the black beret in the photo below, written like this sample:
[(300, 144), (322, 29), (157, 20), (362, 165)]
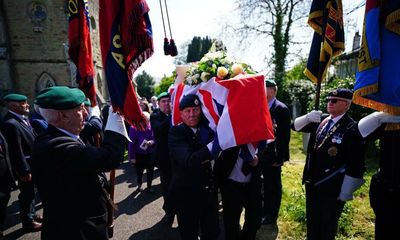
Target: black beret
[(163, 95), (341, 93), (190, 100), (14, 97), (60, 98), (270, 83)]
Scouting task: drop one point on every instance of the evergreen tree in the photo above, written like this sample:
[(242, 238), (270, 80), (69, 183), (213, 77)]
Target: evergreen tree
[(145, 85), (197, 48), (165, 83)]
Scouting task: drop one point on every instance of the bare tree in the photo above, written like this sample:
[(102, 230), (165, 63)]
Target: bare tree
[(271, 20)]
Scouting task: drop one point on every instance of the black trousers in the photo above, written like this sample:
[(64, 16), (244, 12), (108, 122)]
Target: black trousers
[(4, 198), (165, 178), (197, 214), (236, 197), (272, 183), (144, 161), (386, 205), (323, 212), (26, 199)]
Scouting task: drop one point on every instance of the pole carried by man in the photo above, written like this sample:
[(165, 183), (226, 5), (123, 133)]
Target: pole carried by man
[(334, 165), (74, 204)]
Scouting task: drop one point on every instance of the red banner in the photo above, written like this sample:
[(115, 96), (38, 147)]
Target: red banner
[(80, 47)]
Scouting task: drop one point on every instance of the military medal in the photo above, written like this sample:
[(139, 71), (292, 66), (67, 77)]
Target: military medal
[(330, 132), (332, 151), (337, 138)]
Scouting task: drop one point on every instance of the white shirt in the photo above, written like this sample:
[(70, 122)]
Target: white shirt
[(22, 117), (237, 175), (335, 120)]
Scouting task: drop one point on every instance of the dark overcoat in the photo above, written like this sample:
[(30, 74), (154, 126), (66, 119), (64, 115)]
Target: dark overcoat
[(66, 175), (6, 176), (19, 137), (280, 116)]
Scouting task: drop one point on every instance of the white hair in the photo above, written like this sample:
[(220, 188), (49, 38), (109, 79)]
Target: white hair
[(50, 115)]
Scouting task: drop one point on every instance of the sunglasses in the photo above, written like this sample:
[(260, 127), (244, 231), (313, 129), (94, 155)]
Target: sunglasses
[(333, 100)]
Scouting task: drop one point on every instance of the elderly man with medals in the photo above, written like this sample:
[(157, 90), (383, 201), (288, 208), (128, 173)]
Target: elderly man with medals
[(334, 165)]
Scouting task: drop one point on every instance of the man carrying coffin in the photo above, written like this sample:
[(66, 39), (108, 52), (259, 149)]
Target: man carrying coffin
[(192, 187)]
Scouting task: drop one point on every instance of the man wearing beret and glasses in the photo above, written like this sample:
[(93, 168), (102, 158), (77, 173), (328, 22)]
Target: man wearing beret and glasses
[(334, 165)]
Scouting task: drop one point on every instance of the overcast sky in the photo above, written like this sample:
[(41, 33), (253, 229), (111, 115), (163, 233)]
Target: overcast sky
[(203, 18)]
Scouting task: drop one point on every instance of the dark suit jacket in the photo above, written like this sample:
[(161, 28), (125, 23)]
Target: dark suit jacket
[(160, 123), (190, 158), (6, 176), (330, 155), (65, 172), (20, 139), (279, 149)]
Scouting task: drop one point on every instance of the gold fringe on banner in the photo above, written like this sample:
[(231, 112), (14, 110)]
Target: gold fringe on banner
[(392, 126), (311, 76), (358, 98), (393, 22), (313, 20)]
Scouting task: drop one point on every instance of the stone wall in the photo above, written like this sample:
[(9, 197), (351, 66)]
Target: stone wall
[(38, 40)]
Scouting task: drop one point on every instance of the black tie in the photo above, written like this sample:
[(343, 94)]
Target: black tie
[(325, 130), (197, 135)]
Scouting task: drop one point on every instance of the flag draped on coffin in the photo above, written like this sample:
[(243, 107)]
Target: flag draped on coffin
[(236, 109), (326, 18), (378, 75), (80, 47), (126, 42)]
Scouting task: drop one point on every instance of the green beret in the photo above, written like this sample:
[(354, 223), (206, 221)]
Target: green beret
[(270, 83), (163, 95), (87, 102), (60, 98), (13, 97)]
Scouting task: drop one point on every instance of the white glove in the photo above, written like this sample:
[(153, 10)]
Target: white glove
[(349, 186), (388, 118), (371, 122), (313, 116), (94, 111), (115, 123)]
